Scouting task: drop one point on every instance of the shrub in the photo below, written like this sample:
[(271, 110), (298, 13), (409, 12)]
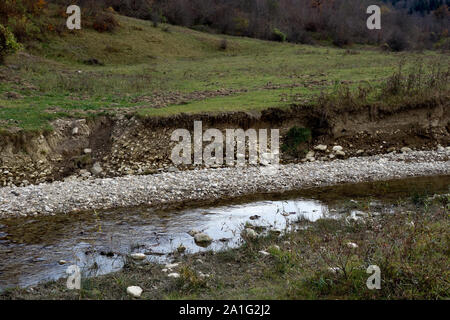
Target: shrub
[(8, 43), (155, 18), (278, 35), (296, 138), (22, 28), (223, 44), (341, 39), (105, 22), (397, 41), (300, 36)]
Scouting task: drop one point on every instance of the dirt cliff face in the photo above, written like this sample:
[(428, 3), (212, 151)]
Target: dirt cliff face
[(114, 146)]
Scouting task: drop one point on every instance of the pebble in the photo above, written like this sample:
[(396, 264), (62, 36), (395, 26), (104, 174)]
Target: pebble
[(173, 275), (252, 234), (171, 265), (134, 291), (405, 150), (352, 245), (138, 256), (320, 147), (202, 238)]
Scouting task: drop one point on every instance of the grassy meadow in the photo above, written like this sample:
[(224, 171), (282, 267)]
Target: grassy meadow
[(164, 70)]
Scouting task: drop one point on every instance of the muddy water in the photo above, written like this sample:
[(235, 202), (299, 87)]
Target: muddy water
[(32, 250)]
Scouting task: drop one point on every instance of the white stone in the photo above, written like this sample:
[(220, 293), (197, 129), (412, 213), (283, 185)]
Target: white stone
[(193, 232), (405, 150), (134, 291), (173, 275), (320, 147), (87, 151), (333, 269), (96, 169), (202, 238), (171, 265), (75, 131), (340, 153), (138, 256), (264, 253), (337, 148), (310, 154), (352, 245), (251, 233)]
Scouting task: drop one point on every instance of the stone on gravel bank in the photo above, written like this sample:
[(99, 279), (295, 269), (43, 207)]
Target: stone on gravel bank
[(208, 184), (134, 291), (138, 256)]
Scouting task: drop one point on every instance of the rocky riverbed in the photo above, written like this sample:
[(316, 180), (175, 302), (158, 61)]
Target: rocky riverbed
[(209, 184)]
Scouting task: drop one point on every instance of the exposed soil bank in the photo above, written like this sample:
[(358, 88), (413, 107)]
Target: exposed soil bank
[(122, 145), (178, 188)]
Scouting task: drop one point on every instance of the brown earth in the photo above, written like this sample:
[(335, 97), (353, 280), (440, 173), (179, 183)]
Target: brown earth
[(131, 145)]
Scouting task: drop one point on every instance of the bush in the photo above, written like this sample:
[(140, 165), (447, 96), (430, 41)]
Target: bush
[(301, 36), (223, 44), (296, 140), (397, 42), (341, 39), (105, 22), (8, 43), (278, 35), (23, 29)]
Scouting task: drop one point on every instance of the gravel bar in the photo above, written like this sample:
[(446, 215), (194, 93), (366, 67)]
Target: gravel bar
[(209, 184)]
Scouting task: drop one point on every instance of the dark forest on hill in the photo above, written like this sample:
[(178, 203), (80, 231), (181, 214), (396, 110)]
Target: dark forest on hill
[(406, 24)]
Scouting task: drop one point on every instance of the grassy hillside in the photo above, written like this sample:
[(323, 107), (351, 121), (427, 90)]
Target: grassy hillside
[(157, 71)]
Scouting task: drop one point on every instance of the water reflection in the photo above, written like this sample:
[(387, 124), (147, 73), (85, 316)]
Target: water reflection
[(99, 243)]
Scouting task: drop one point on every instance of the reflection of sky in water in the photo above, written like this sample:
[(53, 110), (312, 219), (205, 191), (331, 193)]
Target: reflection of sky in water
[(98, 253)]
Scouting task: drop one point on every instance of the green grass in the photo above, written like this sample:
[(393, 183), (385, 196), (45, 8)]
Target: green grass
[(141, 60)]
